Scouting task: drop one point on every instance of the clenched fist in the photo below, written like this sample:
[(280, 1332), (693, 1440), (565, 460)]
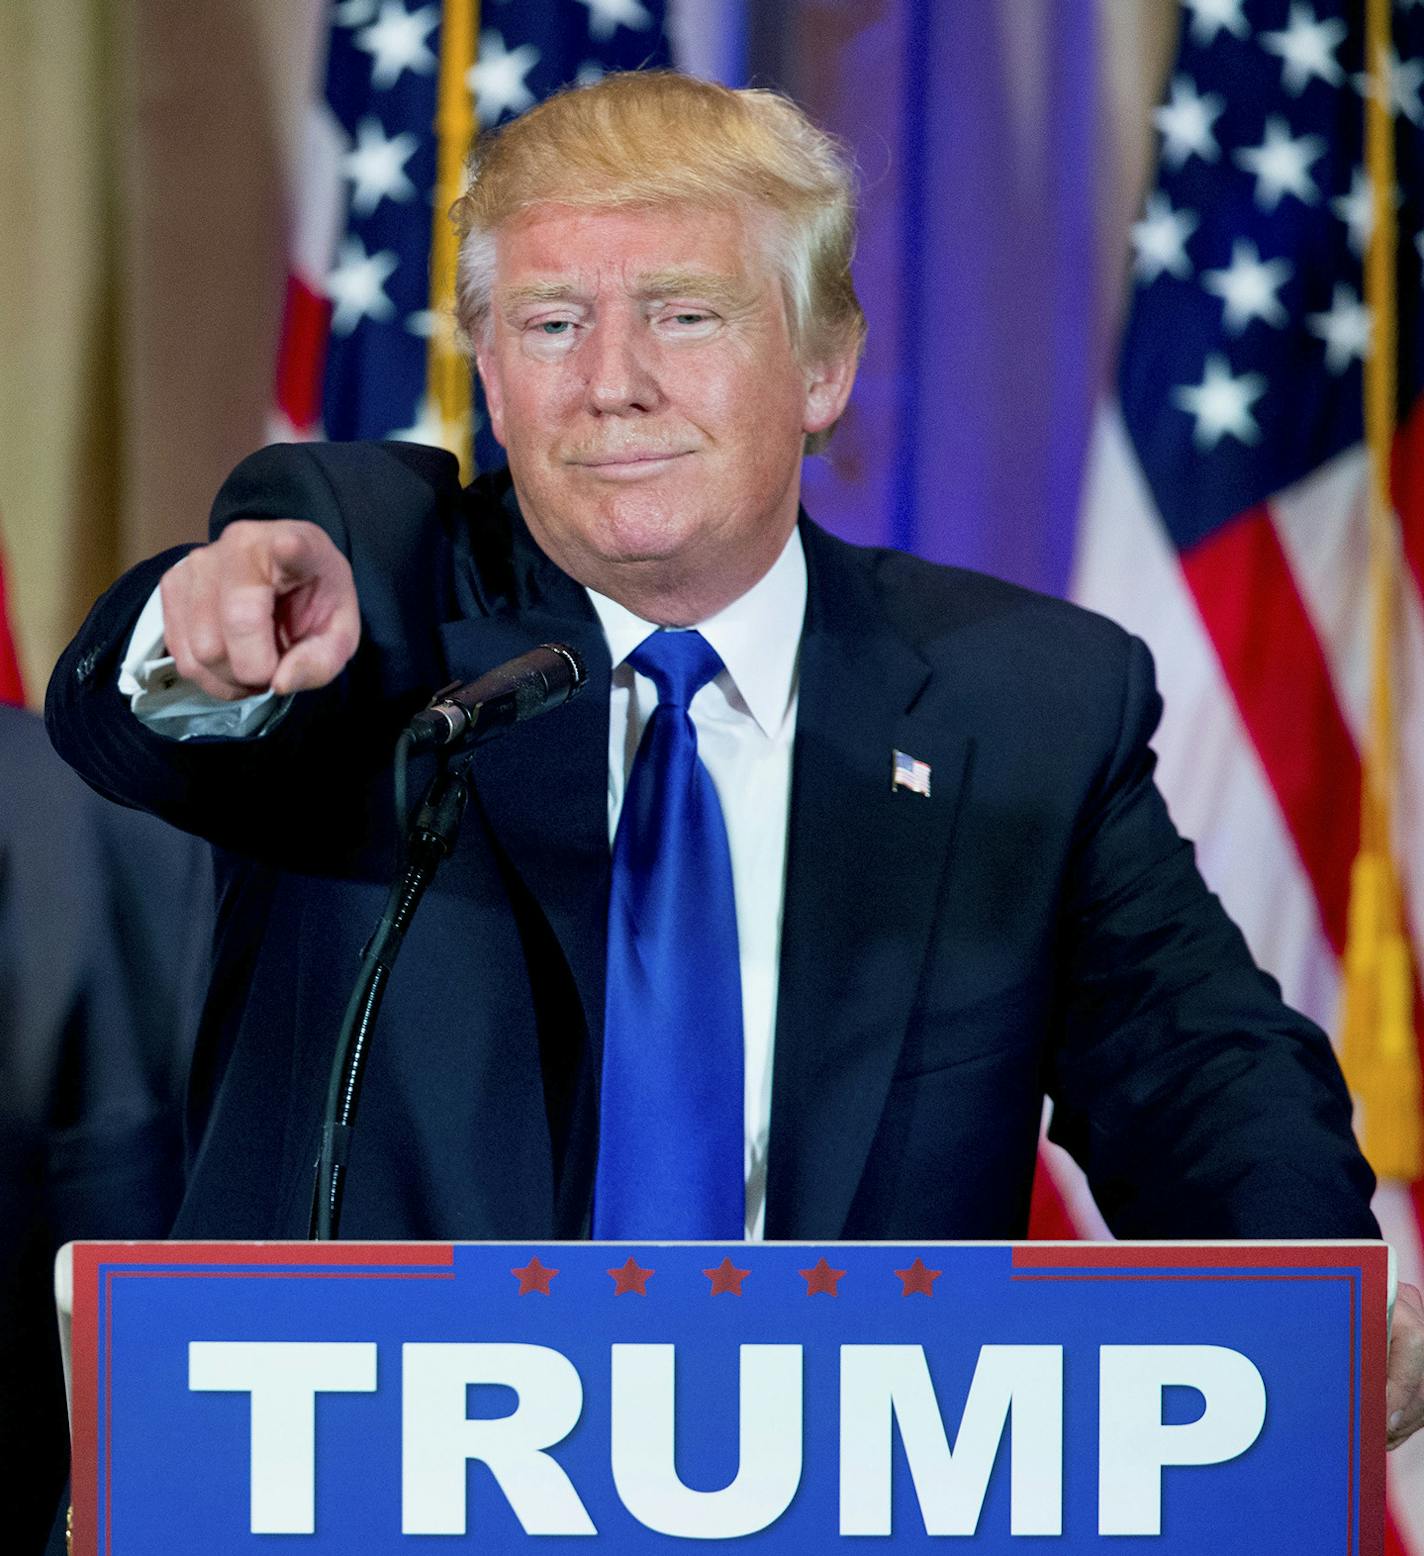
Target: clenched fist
[(269, 603)]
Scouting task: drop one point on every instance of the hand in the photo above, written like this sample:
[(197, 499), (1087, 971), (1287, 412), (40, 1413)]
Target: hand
[(1404, 1387), (269, 603)]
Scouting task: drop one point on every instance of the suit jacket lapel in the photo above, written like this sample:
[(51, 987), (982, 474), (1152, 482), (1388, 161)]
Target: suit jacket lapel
[(542, 786), (534, 787), (542, 789), (864, 866)]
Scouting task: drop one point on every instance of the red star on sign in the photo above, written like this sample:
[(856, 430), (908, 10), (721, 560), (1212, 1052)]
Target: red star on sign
[(821, 1279), (534, 1277), (726, 1279), (630, 1277), (917, 1280)]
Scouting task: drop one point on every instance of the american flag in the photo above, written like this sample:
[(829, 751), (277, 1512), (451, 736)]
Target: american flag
[(910, 773), (359, 320), (1226, 511)]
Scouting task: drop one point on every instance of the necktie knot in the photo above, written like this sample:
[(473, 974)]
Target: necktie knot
[(679, 664)]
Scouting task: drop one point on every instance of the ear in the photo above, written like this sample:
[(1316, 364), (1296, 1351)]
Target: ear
[(488, 369), (828, 386)]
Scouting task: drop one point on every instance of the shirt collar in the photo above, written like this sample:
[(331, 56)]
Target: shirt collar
[(757, 636)]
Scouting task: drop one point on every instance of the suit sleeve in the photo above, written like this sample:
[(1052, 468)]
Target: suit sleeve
[(1197, 1102), (293, 793)]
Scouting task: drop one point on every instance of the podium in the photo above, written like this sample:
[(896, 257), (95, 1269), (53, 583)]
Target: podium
[(779, 1397)]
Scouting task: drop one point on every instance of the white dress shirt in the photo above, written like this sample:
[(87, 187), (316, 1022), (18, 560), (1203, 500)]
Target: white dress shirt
[(745, 720)]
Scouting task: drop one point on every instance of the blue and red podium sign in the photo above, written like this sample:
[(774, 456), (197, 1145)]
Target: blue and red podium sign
[(235, 1398)]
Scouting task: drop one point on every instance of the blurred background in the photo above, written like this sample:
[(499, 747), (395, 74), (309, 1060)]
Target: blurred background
[(1134, 269), (150, 163)]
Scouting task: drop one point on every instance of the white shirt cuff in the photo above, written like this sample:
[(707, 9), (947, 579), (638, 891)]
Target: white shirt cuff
[(170, 705)]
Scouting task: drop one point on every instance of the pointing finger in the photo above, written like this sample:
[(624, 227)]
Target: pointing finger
[(298, 553)]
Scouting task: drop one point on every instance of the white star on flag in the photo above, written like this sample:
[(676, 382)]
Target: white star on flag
[(396, 42), (1185, 122), (1210, 16), (1345, 328), (1222, 404), (1281, 165), (605, 17), (376, 166), (1159, 239), (357, 285), (497, 77), (1357, 210), (1248, 287), (1403, 79), (1307, 49)]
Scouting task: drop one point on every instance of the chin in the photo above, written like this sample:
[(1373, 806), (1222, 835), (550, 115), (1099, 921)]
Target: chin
[(639, 525)]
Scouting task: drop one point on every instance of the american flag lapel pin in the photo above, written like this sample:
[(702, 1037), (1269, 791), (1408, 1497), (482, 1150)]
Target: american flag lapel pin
[(908, 772)]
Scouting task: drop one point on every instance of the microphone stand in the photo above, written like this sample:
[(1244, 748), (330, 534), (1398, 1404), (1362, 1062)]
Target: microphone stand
[(430, 840)]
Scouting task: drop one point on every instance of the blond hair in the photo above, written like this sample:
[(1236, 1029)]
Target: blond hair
[(659, 138)]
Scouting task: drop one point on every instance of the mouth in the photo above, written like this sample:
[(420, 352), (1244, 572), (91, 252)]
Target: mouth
[(625, 465)]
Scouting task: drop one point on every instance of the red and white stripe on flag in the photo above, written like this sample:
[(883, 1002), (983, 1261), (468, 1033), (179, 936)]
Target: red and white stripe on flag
[(1225, 516), (318, 216), (1261, 642)]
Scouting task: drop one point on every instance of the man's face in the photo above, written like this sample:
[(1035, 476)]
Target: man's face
[(640, 374)]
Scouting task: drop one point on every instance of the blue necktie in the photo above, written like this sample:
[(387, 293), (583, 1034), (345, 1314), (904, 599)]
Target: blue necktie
[(670, 1113)]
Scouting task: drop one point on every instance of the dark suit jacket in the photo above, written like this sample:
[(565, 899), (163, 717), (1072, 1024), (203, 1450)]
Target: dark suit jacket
[(105, 918), (1035, 925)]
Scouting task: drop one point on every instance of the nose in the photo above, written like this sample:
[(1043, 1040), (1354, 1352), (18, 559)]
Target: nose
[(621, 379)]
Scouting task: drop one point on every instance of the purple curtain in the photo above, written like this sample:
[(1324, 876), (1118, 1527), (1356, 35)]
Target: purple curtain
[(978, 146)]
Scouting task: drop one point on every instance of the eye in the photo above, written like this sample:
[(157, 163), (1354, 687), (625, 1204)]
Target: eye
[(687, 321), (555, 327)]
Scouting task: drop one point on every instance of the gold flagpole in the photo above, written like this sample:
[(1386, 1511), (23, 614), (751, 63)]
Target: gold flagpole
[(447, 372), (1379, 1049)]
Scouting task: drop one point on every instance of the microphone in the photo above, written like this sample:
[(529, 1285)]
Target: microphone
[(460, 716)]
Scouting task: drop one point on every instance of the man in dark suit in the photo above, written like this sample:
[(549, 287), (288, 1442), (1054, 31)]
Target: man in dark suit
[(105, 921), (955, 890)]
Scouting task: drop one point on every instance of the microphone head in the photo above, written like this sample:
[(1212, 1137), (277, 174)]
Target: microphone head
[(548, 676), (574, 675), (543, 678)]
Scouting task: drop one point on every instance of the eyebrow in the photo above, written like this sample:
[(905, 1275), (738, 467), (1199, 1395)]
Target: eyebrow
[(716, 288), (712, 285), (538, 292)]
